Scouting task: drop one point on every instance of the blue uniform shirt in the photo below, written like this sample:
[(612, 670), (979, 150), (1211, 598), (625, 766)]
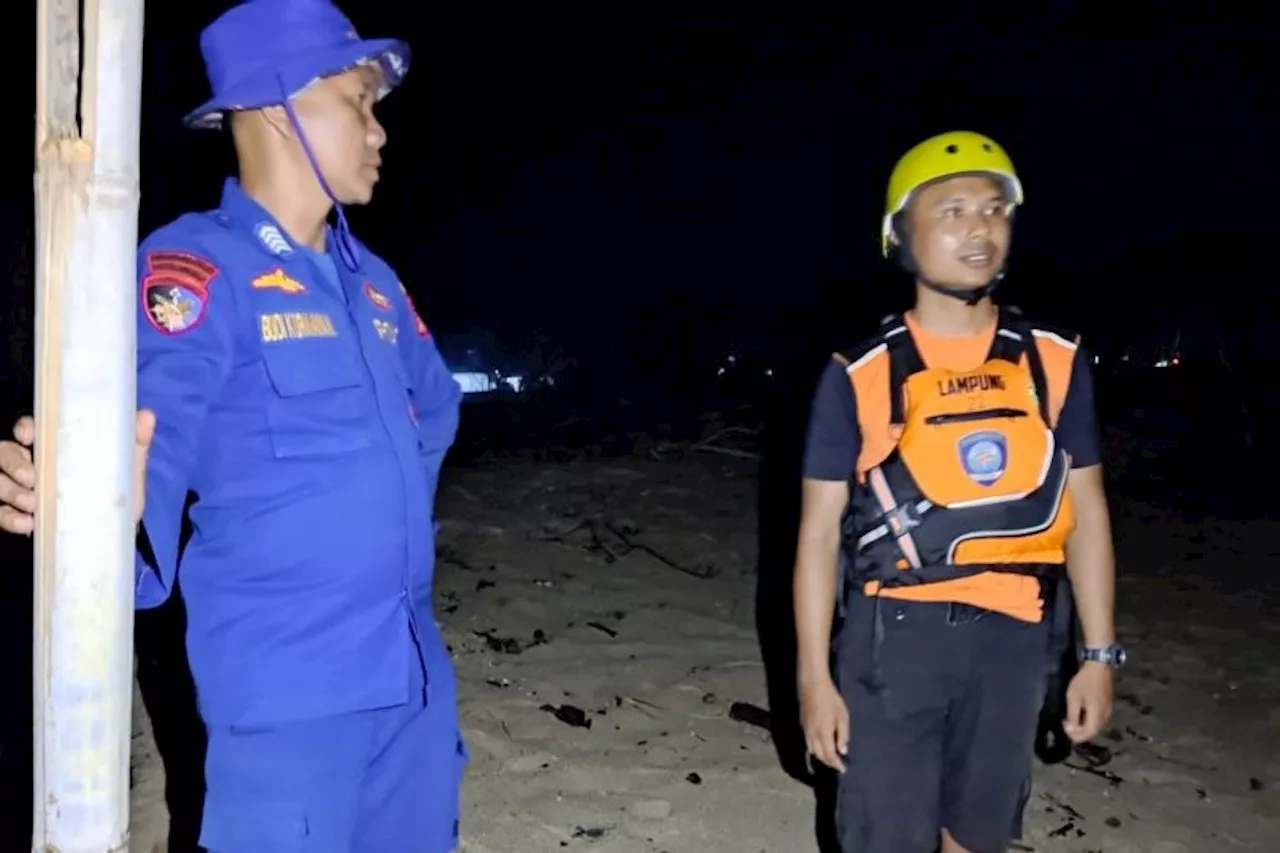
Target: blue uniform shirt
[(308, 409)]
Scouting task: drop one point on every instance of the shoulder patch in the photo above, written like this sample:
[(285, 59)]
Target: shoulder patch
[(175, 289), (419, 326)]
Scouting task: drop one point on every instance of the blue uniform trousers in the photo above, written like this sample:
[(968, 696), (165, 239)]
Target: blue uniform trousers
[(381, 781)]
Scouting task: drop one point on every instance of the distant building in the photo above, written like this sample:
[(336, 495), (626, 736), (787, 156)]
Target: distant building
[(474, 372)]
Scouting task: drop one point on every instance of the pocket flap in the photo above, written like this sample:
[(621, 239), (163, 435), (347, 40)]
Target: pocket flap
[(297, 368)]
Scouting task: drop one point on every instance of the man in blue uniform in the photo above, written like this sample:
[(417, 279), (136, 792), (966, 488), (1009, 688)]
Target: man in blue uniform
[(299, 396)]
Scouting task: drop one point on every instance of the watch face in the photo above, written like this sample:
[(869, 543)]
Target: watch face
[(1113, 655)]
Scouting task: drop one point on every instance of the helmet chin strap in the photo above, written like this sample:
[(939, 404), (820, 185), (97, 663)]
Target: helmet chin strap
[(968, 295)]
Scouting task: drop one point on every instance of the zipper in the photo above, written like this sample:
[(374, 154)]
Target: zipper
[(983, 415)]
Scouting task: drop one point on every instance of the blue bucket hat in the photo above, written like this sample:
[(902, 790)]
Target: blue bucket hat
[(261, 53)]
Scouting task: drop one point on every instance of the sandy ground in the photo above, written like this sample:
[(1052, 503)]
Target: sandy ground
[(623, 594)]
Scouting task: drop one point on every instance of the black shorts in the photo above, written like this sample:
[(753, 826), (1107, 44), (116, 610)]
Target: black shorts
[(945, 737)]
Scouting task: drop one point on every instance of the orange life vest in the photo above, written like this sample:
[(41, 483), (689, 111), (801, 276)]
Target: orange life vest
[(974, 482)]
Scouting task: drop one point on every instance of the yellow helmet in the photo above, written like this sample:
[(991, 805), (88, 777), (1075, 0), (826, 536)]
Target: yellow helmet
[(946, 155)]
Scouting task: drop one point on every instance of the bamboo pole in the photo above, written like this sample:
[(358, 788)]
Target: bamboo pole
[(86, 233)]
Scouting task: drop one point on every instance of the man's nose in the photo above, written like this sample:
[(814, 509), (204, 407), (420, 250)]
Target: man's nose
[(377, 134)]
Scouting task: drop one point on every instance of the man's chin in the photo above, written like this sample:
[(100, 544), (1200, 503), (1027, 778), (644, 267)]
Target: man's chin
[(972, 279), (357, 198)]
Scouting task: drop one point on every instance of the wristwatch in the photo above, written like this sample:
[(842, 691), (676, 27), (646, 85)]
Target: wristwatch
[(1112, 655)]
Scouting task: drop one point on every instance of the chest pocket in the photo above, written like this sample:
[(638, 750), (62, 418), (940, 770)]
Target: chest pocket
[(975, 437), (323, 402)]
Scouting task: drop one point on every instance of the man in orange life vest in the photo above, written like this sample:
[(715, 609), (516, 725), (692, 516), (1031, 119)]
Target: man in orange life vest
[(951, 477)]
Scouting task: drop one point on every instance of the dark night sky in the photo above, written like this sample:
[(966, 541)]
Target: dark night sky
[(733, 173)]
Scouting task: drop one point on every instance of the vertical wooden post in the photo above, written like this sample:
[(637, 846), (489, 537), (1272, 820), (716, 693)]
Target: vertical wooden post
[(86, 234)]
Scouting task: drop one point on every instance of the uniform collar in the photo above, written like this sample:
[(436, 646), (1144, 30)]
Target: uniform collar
[(245, 214)]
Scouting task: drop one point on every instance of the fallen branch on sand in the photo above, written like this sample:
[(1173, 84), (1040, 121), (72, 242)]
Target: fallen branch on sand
[(725, 451), (1106, 775), (704, 572), (702, 447), (716, 441), (728, 431), (647, 708), (600, 544)]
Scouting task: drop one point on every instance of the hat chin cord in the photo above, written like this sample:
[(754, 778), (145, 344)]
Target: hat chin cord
[(345, 243)]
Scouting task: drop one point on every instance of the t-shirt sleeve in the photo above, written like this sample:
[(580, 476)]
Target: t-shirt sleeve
[(832, 442), (1078, 432)]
